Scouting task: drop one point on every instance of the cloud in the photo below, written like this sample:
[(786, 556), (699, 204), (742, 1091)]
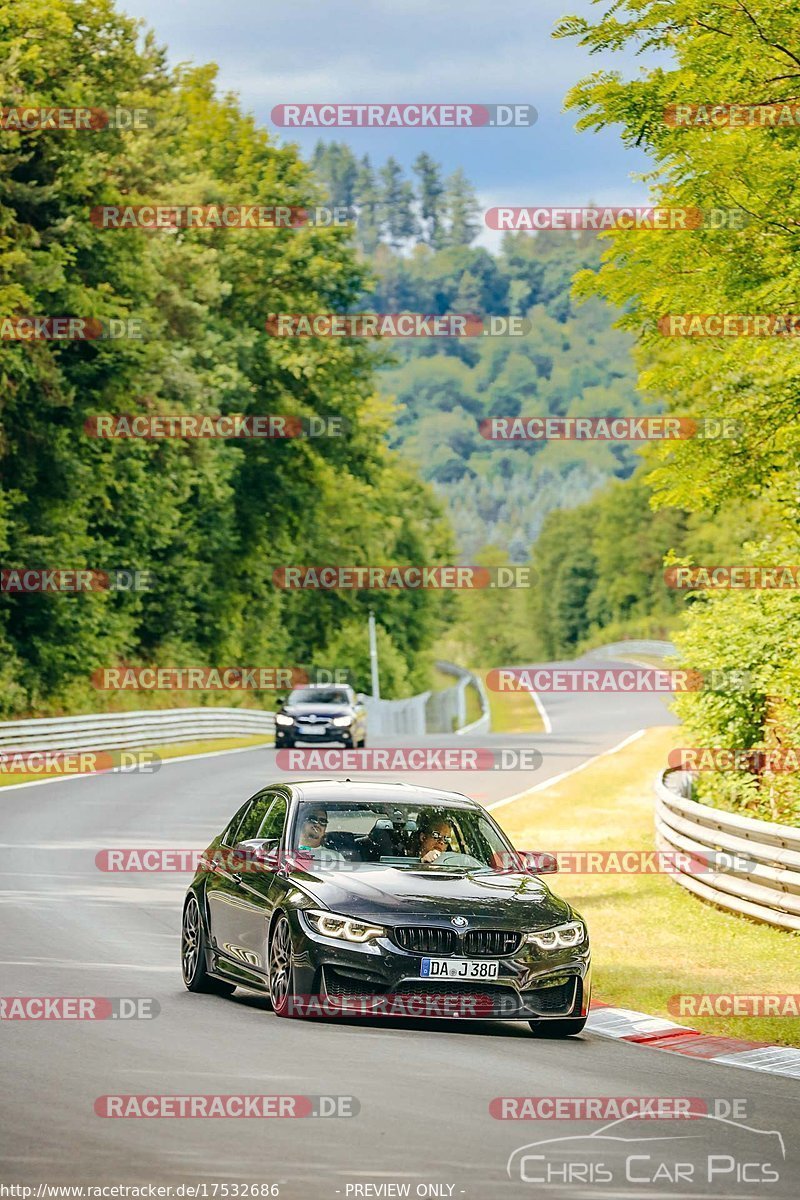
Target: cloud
[(378, 50)]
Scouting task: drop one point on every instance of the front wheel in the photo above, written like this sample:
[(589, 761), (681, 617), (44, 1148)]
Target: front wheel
[(281, 969), (558, 1029), (193, 955)]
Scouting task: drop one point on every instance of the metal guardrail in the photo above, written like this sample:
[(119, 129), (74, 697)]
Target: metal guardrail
[(388, 717), (763, 881), (414, 716), (94, 731), (465, 679), (444, 711), (654, 649)]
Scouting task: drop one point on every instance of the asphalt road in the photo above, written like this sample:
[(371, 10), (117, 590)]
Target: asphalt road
[(423, 1089)]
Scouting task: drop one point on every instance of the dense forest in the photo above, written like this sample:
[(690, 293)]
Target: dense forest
[(208, 519), (570, 362)]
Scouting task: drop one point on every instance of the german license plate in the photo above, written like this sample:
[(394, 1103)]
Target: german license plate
[(459, 968), (309, 730)]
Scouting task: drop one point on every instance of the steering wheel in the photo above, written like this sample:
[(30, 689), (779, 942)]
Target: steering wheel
[(452, 858)]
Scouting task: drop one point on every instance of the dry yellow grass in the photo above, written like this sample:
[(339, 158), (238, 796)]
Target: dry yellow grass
[(652, 939)]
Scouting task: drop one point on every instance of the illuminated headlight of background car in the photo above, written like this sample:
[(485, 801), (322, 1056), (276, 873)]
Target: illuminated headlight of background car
[(559, 937), (341, 721), (282, 719), (347, 929)]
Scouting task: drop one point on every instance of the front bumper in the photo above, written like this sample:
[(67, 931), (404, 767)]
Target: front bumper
[(378, 977), (286, 733)]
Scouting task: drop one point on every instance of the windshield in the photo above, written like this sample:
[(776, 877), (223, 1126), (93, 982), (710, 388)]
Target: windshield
[(318, 696), (408, 836)]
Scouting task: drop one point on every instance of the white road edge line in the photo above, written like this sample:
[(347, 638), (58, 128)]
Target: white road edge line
[(548, 728), (165, 762), (546, 783)]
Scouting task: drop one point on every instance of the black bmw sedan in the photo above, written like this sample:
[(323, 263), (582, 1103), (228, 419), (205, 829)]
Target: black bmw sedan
[(321, 713), (334, 897)]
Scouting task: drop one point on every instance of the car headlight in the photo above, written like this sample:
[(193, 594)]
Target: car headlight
[(342, 721), (346, 928), (559, 937), (282, 719)]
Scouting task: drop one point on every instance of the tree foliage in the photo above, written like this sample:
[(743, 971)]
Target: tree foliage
[(571, 362), (728, 52), (209, 519)]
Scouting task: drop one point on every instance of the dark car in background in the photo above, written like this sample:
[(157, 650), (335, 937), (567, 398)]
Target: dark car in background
[(356, 893), (321, 713)]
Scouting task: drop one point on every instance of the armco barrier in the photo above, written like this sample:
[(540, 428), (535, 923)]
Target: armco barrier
[(402, 717), (454, 704), (430, 712), (653, 649), (764, 880), (96, 731)]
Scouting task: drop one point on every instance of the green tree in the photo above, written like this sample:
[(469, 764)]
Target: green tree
[(429, 198), (369, 206), (396, 204), (209, 519), (461, 206), (336, 165), (744, 261)]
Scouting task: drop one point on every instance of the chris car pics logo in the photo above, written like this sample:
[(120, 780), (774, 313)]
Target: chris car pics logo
[(713, 1152)]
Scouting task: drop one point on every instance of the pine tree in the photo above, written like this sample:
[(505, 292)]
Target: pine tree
[(462, 210), (367, 198), (398, 222), (429, 200)]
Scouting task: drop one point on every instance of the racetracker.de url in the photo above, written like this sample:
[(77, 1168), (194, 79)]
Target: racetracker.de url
[(189, 1191)]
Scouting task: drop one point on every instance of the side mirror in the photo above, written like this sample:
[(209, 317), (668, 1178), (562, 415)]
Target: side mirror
[(263, 853), (538, 862), (279, 702)]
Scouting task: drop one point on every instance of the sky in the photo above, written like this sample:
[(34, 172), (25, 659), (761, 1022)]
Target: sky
[(421, 51)]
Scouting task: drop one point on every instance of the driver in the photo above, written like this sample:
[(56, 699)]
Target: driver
[(433, 835), (311, 836)]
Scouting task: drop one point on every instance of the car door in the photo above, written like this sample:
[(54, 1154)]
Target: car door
[(261, 883), (229, 907)]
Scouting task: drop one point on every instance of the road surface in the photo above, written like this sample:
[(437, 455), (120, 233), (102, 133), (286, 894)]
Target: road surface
[(423, 1089)]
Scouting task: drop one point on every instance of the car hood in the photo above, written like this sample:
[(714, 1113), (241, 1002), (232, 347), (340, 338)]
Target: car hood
[(399, 896)]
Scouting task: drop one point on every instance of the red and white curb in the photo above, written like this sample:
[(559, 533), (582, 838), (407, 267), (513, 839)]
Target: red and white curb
[(661, 1034)]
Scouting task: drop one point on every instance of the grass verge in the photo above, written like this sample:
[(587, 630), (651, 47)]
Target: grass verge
[(512, 712), (172, 750), (473, 704), (651, 938)]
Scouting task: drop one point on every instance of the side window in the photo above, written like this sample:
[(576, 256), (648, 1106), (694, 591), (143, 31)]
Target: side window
[(274, 821), (229, 837), (259, 807)]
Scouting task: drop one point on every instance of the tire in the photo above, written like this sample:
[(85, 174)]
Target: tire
[(362, 744), (285, 744), (281, 970), (193, 955), (558, 1029)]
